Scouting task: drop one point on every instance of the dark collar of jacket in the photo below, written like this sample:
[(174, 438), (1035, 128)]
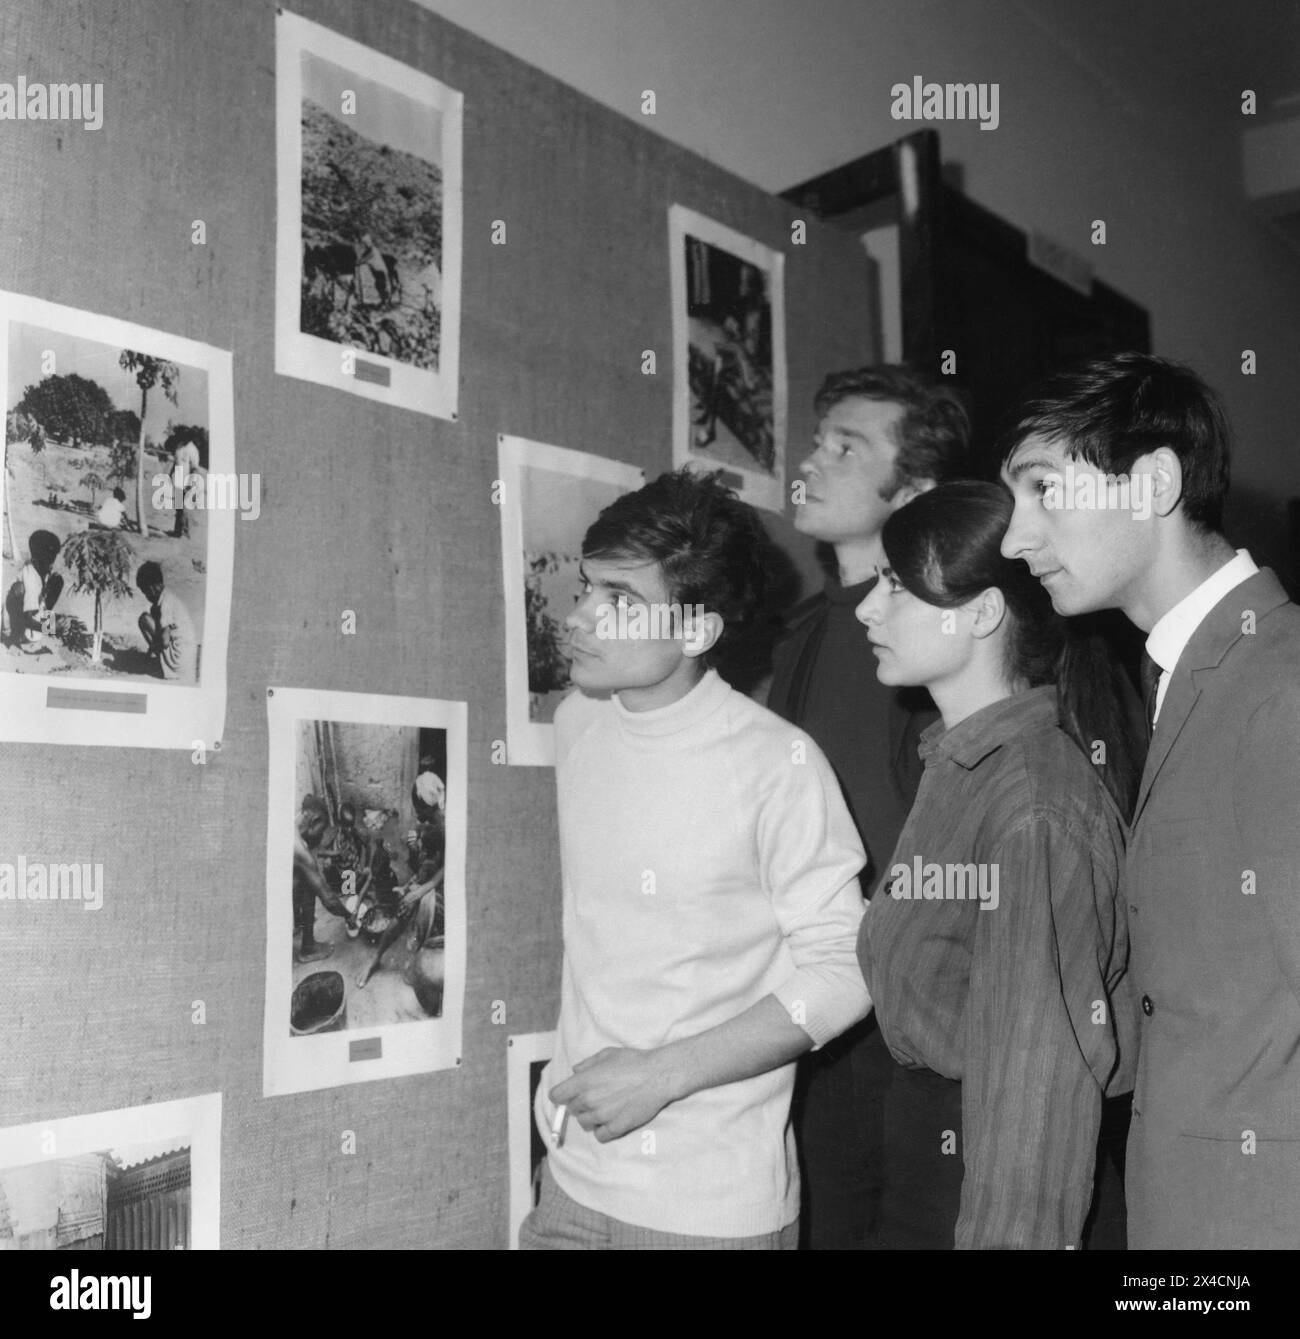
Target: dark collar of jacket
[(796, 649), (801, 625)]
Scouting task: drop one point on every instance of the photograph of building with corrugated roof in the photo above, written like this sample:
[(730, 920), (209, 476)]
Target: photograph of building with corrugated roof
[(130, 1198)]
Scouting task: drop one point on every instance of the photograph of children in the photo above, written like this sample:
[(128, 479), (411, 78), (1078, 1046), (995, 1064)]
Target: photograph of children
[(527, 1055), (549, 496), (119, 502), (365, 888), (369, 221), (729, 387), (140, 1179)]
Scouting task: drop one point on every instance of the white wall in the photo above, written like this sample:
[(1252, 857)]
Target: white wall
[(780, 90)]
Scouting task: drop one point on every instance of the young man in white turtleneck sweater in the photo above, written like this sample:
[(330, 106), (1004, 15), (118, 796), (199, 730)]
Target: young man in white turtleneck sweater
[(711, 900)]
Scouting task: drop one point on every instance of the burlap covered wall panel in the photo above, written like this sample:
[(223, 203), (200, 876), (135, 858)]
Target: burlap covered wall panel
[(377, 510)]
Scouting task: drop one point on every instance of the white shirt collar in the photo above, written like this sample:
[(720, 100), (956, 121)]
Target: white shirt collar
[(1168, 639)]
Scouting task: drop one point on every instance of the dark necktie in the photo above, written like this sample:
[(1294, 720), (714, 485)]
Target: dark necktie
[(1150, 687)]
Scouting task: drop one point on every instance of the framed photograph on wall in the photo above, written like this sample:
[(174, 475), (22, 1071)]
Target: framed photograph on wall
[(365, 884), (368, 222), (144, 1178), (549, 496), (527, 1055), (119, 497), (729, 372)]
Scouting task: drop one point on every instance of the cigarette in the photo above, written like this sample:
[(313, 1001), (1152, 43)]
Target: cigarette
[(557, 1125)]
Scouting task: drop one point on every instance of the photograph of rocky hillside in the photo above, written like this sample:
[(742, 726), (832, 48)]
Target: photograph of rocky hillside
[(372, 242)]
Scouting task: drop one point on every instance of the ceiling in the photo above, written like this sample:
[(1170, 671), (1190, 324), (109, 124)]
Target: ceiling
[(1188, 55)]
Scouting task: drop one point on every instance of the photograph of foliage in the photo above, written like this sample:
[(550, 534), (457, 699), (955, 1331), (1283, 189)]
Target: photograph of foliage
[(729, 367), (730, 354), (548, 666), (550, 496)]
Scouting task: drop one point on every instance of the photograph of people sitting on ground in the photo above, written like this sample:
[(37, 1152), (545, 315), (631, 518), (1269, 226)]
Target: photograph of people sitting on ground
[(104, 555), (368, 866), (371, 216)]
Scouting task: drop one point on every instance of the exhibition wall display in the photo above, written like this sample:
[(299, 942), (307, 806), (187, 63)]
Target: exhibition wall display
[(309, 456)]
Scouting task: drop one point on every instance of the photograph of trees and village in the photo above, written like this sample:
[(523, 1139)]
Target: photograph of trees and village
[(372, 212), (100, 580)]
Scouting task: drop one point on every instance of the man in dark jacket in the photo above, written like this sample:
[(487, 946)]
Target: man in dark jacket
[(884, 434)]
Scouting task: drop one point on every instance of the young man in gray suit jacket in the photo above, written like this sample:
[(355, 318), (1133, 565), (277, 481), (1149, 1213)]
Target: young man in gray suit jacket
[(1119, 471)]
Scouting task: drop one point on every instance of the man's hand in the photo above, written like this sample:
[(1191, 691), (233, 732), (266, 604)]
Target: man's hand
[(616, 1091)]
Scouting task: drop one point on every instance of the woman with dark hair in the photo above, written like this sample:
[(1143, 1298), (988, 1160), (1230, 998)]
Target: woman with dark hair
[(997, 960)]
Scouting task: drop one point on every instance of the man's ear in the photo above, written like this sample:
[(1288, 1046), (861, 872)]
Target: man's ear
[(912, 488), (1166, 480), (700, 631)]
